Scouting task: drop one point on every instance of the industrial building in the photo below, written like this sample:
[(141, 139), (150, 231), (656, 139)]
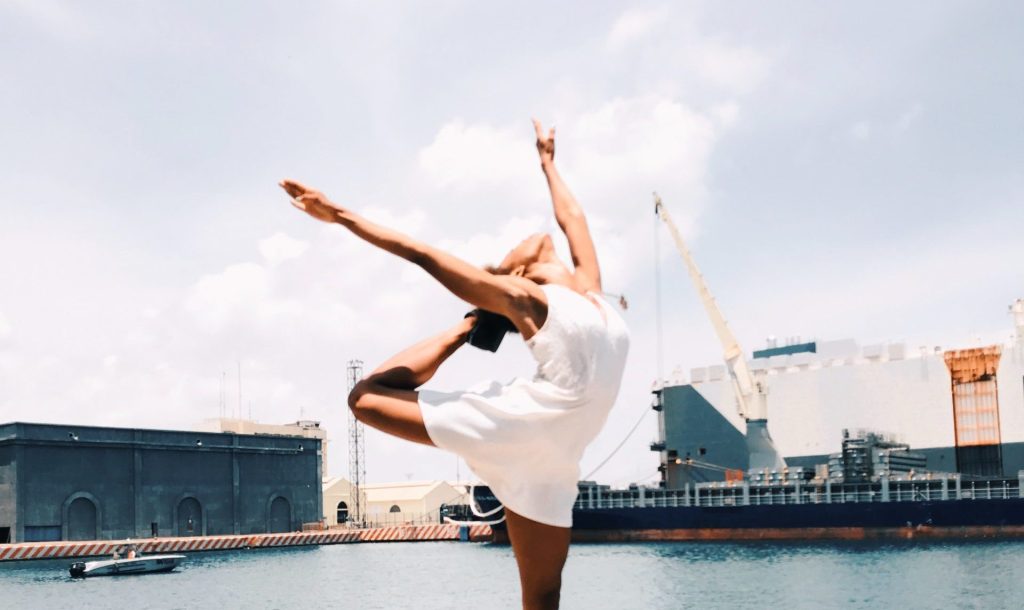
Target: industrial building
[(306, 428), (339, 505), (67, 482), (390, 503)]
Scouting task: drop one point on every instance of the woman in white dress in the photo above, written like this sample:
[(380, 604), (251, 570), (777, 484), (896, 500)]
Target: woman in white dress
[(523, 438)]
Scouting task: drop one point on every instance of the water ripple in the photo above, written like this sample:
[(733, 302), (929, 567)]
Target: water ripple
[(649, 575)]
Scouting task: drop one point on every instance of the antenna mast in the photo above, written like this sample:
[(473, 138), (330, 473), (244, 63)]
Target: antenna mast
[(239, 415), (356, 450), (222, 412)]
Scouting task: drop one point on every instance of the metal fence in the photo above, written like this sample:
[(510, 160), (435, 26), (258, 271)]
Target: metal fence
[(744, 493), (393, 519)]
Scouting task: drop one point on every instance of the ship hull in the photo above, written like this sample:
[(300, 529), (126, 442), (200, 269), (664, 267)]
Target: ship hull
[(952, 519)]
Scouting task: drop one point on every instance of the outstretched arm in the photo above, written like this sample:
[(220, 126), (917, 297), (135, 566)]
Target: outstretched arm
[(569, 215), (516, 298)]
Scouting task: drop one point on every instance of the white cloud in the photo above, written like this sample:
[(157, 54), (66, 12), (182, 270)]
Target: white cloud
[(671, 50), (489, 247), (5, 326), (469, 156), (410, 222), (239, 295), (726, 113), (623, 145), (612, 155), (235, 287), (632, 144), (633, 25), (280, 247)]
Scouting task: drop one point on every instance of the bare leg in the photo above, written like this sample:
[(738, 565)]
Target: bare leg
[(387, 399), (540, 552), (414, 366)]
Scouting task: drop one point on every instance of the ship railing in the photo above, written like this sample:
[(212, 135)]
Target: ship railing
[(724, 494)]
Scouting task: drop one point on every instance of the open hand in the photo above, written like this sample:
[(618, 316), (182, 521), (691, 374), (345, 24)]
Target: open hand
[(545, 144), (312, 201)]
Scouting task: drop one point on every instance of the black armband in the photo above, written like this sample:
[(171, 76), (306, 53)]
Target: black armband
[(489, 330)]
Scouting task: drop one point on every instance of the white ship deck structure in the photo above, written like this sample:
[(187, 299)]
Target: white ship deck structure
[(963, 407)]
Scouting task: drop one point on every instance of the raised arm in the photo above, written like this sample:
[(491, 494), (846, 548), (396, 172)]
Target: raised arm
[(569, 215), (516, 298)]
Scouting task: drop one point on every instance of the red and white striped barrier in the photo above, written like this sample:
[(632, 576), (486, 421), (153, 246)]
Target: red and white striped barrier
[(93, 548)]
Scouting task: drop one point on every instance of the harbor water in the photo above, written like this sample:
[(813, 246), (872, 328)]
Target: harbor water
[(459, 575)]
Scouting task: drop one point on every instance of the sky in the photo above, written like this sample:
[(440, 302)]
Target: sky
[(839, 171)]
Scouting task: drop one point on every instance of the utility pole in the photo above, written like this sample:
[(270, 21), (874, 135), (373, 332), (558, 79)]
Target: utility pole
[(356, 450), (222, 412), (239, 411)]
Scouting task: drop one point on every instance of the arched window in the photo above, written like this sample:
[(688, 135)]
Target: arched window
[(342, 512), (280, 515), (395, 509), (189, 517), (82, 519)]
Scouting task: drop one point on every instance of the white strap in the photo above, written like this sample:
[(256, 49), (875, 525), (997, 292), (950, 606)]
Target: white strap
[(473, 508)]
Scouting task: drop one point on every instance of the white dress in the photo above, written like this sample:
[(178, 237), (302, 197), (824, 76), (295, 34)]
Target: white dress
[(525, 438)]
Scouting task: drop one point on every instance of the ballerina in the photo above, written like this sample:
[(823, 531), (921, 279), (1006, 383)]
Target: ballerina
[(524, 438)]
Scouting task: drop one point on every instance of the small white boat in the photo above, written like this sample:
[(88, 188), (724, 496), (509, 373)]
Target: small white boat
[(126, 560)]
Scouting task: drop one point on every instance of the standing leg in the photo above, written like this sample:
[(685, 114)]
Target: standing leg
[(540, 554), (387, 399)]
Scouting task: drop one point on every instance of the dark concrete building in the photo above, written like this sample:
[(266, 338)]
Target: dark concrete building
[(63, 482)]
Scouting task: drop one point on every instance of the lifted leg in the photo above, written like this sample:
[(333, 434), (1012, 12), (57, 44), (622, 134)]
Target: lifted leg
[(387, 399)]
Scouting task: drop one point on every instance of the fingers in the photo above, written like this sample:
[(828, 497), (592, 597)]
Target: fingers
[(292, 187), (537, 128), (309, 200)]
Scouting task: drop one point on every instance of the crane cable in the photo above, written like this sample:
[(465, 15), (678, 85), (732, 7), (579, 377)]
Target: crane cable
[(619, 446), (658, 348)]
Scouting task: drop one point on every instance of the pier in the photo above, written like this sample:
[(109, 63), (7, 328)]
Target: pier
[(97, 548)]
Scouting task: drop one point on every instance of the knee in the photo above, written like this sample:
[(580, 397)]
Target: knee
[(360, 397), (543, 595)]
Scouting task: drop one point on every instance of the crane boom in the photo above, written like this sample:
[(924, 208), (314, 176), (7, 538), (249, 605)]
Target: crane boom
[(751, 391), (737, 365)]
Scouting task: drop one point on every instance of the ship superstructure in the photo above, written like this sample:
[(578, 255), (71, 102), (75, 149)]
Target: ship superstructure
[(963, 409)]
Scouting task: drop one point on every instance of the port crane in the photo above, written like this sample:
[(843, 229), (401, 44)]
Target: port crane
[(750, 387)]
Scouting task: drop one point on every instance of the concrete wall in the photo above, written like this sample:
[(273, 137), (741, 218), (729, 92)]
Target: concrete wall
[(8, 492), (136, 478)]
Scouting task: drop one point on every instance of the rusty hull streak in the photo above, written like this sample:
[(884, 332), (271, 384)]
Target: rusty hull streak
[(920, 532)]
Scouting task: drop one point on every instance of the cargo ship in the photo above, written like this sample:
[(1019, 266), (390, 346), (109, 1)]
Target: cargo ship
[(936, 450), (874, 441)]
